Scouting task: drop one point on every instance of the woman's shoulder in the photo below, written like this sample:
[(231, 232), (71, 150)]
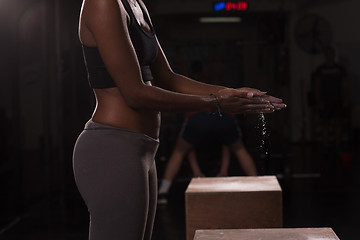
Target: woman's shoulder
[(99, 12), (103, 7), (100, 20)]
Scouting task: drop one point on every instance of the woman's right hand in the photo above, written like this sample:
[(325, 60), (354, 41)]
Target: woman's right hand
[(247, 100)]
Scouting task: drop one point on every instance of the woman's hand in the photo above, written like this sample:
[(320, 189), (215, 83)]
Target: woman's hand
[(247, 100), (276, 102)]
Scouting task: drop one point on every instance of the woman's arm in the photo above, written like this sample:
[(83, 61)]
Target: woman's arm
[(167, 79)]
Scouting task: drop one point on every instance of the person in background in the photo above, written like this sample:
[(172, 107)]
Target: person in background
[(197, 129)]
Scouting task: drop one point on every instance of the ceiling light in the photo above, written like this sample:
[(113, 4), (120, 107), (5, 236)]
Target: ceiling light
[(220, 19)]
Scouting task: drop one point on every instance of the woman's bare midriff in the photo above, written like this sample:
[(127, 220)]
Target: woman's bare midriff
[(112, 110)]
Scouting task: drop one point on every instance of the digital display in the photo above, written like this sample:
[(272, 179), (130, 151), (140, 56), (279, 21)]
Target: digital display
[(230, 6)]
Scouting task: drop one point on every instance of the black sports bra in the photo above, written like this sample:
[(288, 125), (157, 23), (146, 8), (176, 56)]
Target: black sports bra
[(146, 49)]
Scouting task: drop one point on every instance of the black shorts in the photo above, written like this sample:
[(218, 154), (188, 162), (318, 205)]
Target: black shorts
[(201, 127)]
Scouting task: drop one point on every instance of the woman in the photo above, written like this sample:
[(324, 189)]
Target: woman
[(114, 156)]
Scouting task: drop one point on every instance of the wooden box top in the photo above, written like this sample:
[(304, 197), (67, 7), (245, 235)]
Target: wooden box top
[(233, 184), (267, 234)]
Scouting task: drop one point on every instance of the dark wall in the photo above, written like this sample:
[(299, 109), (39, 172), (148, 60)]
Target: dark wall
[(45, 100)]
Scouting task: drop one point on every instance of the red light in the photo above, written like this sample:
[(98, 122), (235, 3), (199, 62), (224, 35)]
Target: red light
[(238, 6)]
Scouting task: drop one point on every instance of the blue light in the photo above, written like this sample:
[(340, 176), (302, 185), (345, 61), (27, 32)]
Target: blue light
[(219, 6)]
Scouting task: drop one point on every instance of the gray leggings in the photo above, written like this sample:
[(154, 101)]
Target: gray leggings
[(115, 173)]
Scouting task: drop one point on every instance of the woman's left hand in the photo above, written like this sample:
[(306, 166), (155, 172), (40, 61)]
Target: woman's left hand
[(274, 101)]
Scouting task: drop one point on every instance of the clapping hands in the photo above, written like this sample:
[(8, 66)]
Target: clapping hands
[(248, 100)]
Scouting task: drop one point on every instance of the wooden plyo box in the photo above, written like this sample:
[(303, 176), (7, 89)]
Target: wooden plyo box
[(268, 234), (233, 203)]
